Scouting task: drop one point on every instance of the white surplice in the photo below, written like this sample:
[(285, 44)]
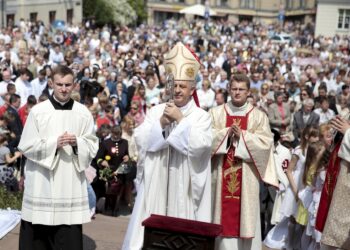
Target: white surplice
[(178, 186), (55, 184)]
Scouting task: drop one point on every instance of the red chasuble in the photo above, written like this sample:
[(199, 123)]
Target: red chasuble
[(231, 184), (328, 188)]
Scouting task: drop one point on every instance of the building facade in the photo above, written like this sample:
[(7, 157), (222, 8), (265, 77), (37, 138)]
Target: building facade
[(333, 17), (12, 11), (236, 10)]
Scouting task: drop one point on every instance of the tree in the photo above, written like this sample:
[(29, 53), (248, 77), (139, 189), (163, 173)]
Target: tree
[(109, 11), (123, 13), (140, 8)]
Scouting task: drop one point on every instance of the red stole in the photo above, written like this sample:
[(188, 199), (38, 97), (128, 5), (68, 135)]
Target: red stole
[(328, 188), (231, 184)]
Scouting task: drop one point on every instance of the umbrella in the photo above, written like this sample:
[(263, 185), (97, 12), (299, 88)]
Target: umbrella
[(59, 25), (198, 10)]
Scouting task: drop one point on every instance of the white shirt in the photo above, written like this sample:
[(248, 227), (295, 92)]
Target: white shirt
[(324, 116), (38, 86), (206, 98), (23, 89), (3, 87), (56, 58)]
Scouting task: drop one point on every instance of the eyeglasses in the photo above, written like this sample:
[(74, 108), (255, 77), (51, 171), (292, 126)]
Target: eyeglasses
[(134, 108)]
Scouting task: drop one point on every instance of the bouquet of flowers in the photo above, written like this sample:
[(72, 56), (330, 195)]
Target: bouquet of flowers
[(106, 174)]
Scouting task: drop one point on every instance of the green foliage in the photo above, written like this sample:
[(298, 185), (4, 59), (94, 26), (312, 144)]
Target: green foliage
[(12, 200), (109, 11), (140, 8), (106, 174), (88, 8)]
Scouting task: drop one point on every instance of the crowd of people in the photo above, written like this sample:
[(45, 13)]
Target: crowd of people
[(302, 86)]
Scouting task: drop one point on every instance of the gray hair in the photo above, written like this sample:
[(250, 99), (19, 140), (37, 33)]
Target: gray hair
[(309, 102)]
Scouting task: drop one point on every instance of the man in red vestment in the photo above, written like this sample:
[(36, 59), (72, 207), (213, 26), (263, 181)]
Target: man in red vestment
[(242, 156)]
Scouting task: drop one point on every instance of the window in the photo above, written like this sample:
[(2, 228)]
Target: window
[(344, 19), (33, 16), (52, 16), (289, 4), (10, 19), (249, 4), (70, 16)]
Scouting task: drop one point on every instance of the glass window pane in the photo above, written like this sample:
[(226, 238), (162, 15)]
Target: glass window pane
[(347, 22), (340, 19)]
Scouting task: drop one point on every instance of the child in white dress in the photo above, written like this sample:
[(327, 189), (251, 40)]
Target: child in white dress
[(290, 204), (318, 181), (289, 238)]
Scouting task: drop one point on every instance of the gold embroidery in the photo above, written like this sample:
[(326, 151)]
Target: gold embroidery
[(189, 72), (237, 122), (233, 183), (329, 180)]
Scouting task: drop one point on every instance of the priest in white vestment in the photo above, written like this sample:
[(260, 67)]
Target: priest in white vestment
[(59, 143), (174, 144), (242, 155)]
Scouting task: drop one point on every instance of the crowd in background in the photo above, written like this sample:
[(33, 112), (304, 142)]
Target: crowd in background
[(300, 84)]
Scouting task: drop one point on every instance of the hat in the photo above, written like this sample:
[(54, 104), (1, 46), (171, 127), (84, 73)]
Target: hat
[(129, 62), (113, 96), (182, 63)]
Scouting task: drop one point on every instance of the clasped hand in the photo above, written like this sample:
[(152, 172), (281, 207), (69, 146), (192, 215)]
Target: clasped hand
[(171, 114), (340, 124), (66, 139), (235, 131)]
